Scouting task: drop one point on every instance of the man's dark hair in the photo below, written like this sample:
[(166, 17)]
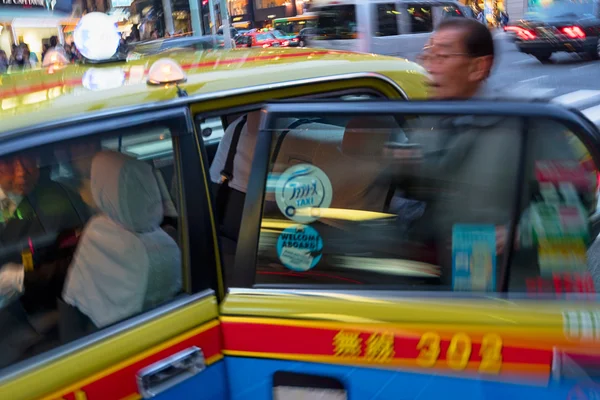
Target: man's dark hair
[(53, 41), (478, 38)]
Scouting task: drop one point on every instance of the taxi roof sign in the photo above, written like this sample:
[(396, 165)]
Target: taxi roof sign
[(96, 36), (165, 71)]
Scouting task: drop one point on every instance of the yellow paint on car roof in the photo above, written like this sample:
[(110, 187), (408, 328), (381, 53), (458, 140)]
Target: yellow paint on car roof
[(37, 96)]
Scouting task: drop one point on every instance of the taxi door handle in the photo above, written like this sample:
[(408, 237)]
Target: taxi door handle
[(168, 372)]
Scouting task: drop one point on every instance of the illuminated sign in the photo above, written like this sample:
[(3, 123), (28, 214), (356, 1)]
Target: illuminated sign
[(24, 3), (271, 16), (236, 19)]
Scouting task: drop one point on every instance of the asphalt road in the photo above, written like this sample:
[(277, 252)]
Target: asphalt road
[(522, 73)]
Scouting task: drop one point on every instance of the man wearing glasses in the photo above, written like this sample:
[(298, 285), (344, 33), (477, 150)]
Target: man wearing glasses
[(469, 164)]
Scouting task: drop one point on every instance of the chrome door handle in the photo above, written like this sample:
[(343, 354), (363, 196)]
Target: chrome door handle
[(166, 373)]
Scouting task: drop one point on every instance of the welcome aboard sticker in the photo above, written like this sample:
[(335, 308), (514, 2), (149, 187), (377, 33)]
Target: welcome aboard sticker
[(299, 247)]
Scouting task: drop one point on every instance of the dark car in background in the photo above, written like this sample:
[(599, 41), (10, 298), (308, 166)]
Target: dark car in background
[(560, 27), (137, 50), (306, 34), (233, 31)]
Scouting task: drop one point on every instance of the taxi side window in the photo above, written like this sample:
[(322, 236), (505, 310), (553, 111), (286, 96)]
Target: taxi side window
[(421, 202), (88, 237), (387, 19), (555, 235), (212, 129)]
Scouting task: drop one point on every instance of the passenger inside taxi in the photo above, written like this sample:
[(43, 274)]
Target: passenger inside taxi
[(125, 262)]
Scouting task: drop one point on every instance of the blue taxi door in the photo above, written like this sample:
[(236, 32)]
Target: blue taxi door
[(171, 351)]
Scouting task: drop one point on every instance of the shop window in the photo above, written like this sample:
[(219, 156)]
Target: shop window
[(421, 18), (336, 22), (238, 7), (387, 20), (260, 4)]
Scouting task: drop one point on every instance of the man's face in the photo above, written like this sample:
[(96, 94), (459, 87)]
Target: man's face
[(454, 74), (19, 175)]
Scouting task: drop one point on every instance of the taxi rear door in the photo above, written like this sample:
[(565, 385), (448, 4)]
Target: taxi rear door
[(431, 249), (171, 351)]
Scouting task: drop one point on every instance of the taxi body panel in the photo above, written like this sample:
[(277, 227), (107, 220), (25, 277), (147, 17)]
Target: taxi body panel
[(46, 97), (379, 342), (405, 342), (106, 360)]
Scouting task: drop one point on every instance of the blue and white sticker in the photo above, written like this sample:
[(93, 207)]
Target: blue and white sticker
[(300, 189), (474, 258), (299, 247)]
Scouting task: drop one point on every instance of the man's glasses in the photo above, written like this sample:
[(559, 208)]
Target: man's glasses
[(429, 55)]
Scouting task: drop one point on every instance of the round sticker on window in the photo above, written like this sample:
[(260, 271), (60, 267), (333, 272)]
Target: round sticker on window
[(299, 247), (300, 189)]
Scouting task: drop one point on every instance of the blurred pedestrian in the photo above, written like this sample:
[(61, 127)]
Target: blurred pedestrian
[(21, 59), (31, 56), (45, 48), (504, 18), (3, 62), (459, 58)]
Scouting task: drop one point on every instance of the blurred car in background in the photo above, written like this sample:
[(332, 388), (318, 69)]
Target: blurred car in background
[(234, 32), (306, 34), (292, 39), (260, 39), (573, 28)]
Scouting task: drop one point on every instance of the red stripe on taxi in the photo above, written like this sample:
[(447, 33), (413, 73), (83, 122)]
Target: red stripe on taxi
[(20, 91), (122, 383), (391, 346)]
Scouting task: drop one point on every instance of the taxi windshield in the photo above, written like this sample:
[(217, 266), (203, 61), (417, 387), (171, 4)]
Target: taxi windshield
[(264, 36)]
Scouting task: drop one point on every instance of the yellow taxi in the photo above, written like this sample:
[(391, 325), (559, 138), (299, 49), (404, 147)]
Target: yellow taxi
[(371, 259)]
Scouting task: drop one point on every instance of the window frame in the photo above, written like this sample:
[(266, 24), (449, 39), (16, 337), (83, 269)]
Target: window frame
[(409, 19), (377, 21), (247, 250), (198, 283)]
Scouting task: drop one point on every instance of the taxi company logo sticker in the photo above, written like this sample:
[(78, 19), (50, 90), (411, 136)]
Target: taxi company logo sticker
[(302, 187), (299, 247)]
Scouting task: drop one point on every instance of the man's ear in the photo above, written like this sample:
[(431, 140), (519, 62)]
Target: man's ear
[(481, 68)]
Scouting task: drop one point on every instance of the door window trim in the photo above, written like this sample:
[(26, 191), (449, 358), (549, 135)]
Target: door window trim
[(247, 250), (41, 360)]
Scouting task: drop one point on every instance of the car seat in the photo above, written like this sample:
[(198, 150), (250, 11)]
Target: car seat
[(125, 263)]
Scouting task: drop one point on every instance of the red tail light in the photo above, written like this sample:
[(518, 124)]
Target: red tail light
[(574, 32), (522, 33)]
